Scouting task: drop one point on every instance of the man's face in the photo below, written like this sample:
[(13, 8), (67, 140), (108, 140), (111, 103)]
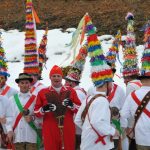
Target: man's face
[(24, 86), (70, 83), (35, 78), (2, 81), (56, 80)]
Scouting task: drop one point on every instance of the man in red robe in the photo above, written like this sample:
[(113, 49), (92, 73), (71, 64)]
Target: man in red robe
[(57, 105)]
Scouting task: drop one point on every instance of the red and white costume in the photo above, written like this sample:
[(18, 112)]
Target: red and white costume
[(142, 129), (51, 132)]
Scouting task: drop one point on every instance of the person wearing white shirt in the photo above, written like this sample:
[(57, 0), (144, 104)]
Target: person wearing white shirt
[(99, 118), (142, 130), (5, 119), (132, 84), (116, 98), (25, 136), (4, 88), (72, 80)]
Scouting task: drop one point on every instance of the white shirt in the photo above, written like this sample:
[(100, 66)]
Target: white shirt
[(6, 111), (99, 114), (119, 97), (82, 97), (80, 93), (91, 90), (10, 92), (131, 86), (142, 129), (23, 132)]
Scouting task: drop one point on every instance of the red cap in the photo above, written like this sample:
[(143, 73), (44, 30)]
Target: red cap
[(56, 70)]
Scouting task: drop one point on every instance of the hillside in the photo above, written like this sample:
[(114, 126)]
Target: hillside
[(107, 15)]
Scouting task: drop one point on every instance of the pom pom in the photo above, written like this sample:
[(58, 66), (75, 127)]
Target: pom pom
[(129, 16)]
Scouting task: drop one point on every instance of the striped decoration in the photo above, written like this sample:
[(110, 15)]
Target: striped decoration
[(114, 50), (31, 64), (145, 69), (100, 71), (130, 64), (42, 51), (80, 58)]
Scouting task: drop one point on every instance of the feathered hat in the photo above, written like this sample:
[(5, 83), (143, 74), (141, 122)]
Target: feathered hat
[(100, 71), (3, 63), (42, 50), (145, 68), (113, 50), (31, 64), (130, 64)]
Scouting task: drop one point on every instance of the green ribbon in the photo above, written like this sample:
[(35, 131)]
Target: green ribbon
[(31, 124), (117, 125)]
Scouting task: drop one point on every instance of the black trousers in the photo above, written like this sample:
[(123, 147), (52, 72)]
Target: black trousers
[(78, 141)]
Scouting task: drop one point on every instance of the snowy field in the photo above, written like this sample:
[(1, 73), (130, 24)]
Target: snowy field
[(57, 53)]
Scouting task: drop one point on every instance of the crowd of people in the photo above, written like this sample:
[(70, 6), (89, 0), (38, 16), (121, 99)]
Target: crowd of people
[(71, 118), (65, 116)]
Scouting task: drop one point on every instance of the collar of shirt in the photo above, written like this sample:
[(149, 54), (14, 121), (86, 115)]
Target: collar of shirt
[(97, 92), (24, 94), (57, 89)]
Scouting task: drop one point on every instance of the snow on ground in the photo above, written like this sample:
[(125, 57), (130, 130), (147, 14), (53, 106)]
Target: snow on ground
[(57, 52)]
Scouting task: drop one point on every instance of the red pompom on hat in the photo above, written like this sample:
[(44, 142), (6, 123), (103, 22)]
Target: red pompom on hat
[(56, 70)]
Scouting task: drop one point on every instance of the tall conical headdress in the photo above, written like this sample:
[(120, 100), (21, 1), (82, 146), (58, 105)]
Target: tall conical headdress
[(42, 50), (74, 71), (113, 51), (3, 63), (100, 71), (145, 69), (130, 65), (31, 64), (80, 58)]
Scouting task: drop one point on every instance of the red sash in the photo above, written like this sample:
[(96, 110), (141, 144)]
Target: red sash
[(27, 105), (138, 102), (33, 88), (100, 137), (5, 90), (111, 95), (137, 83)]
